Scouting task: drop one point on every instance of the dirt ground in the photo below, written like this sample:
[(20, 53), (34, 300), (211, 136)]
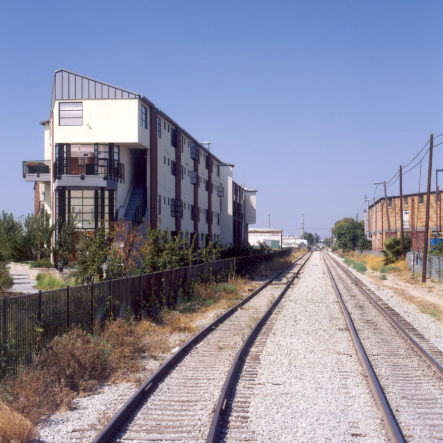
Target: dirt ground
[(428, 297)]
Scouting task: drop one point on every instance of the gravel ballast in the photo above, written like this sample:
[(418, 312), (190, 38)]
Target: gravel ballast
[(310, 385), (431, 328)]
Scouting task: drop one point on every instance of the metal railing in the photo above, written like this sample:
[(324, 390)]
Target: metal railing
[(29, 322), (112, 169), (36, 167)]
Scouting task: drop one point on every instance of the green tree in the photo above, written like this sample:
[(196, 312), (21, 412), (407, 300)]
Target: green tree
[(38, 234), (327, 242), (11, 238), (393, 251), (310, 237), (67, 239), (350, 234), (92, 256)]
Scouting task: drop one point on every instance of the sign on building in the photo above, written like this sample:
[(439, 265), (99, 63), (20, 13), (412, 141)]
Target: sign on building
[(406, 219)]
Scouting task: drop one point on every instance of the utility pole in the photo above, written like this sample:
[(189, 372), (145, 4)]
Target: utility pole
[(269, 221), (386, 206), (401, 215), (302, 225), (368, 230), (428, 204), (437, 203)]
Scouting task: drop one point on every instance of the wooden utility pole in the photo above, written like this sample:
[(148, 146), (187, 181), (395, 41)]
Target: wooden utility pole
[(428, 204), (402, 234), (387, 209)]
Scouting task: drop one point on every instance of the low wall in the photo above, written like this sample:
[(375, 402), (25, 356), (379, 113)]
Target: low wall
[(434, 266), (24, 268)]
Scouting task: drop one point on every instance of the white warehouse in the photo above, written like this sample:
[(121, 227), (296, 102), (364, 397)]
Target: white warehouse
[(111, 154)]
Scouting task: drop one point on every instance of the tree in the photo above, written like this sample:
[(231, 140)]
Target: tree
[(327, 242), (393, 251), (92, 256), (6, 281), (67, 239), (11, 237), (38, 233), (350, 234), (310, 237)]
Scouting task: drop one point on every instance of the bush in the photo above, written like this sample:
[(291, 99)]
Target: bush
[(14, 427), (226, 288), (359, 266), (6, 281), (383, 277), (73, 362), (44, 263), (46, 281)]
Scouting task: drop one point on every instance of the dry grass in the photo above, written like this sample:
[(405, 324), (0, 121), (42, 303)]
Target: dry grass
[(14, 427), (375, 262), (77, 362)]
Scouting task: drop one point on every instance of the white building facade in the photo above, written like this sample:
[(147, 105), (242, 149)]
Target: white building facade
[(111, 154), (270, 237)]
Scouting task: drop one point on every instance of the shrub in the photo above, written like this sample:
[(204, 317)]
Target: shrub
[(14, 427), (73, 362), (226, 288), (43, 263), (359, 266), (383, 277), (46, 281), (125, 342), (6, 281)]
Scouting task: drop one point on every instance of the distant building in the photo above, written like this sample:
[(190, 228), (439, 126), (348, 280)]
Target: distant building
[(292, 242), (414, 212), (270, 237)]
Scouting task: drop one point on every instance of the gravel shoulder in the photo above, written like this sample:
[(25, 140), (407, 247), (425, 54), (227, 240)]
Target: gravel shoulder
[(400, 296), (310, 385)]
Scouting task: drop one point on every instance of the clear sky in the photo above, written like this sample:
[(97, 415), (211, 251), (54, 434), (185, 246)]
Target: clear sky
[(313, 101)]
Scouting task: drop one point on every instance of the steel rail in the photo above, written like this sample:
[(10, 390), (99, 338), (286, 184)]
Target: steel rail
[(126, 411), (422, 352), (238, 363), (391, 422)]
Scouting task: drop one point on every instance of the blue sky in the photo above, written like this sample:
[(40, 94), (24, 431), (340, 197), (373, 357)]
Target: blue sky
[(313, 101)]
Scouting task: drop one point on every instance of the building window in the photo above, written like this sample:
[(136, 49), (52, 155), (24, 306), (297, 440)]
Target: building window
[(218, 170), (144, 117), (173, 137), (421, 199), (164, 159), (173, 168), (405, 201), (159, 204), (389, 202), (159, 127), (70, 114)]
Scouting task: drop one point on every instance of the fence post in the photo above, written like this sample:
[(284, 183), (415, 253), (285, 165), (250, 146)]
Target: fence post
[(68, 318), (92, 307), (39, 307)]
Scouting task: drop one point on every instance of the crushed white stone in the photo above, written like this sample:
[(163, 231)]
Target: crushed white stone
[(310, 385), (431, 328)]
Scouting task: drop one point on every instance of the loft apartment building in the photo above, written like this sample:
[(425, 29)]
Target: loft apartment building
[(414, 212), (111, 154)]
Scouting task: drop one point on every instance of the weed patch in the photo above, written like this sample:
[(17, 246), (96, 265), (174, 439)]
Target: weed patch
[(46, 281), (14, 427), (359, 267)]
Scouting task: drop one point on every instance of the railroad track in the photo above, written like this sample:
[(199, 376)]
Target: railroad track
[(178, 402), (404, 369)]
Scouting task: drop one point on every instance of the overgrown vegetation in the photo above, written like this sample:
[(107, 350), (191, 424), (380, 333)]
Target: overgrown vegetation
[(6, 281), (393, 251), (350, 235), (78, 361), (438, 250), (46, 281)]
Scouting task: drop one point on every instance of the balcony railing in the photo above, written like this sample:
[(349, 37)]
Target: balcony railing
[(36, 167), (111, 169)]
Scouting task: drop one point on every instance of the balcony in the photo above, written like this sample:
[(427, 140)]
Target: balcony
[(37, 170), (88, 172)]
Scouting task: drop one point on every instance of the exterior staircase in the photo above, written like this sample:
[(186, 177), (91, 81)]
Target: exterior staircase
[(136, 208)]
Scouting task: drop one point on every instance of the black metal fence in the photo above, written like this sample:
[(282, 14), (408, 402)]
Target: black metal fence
[(28, 322)]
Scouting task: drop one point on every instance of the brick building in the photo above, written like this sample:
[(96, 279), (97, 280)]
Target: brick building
[(414, 212)]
